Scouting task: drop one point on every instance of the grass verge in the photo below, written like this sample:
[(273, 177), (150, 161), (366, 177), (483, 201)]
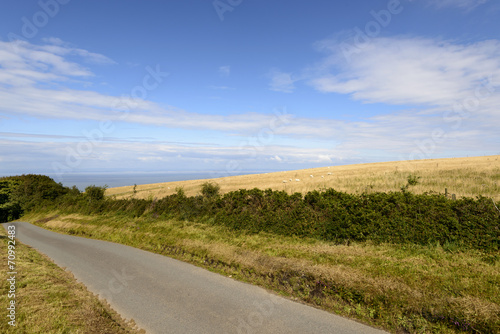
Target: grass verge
[(50, 300), (403, 289)]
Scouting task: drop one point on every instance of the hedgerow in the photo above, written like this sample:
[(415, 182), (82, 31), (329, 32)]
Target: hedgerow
[(329, 215), (380, 217)]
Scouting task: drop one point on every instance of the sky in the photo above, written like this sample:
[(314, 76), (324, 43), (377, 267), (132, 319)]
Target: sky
[(233, 86)]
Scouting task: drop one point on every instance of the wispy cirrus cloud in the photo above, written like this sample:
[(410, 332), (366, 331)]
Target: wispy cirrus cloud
[(225, 70), (23, 64), (59, 47), (462, 4), (221, 87), (30, 77), (408, 71), (281, 81)]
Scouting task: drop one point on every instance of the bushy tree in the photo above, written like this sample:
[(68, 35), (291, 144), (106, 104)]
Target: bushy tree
[(95, 194), (10, 208), (23, 192), (210, 190)]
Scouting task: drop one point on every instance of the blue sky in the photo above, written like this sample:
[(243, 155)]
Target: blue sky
[(237, 85)]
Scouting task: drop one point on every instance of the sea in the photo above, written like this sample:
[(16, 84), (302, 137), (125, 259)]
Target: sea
[(111, 180)]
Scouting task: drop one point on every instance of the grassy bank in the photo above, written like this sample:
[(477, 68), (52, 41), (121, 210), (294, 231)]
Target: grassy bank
[(464, 177), (50, 300), (402, 288)]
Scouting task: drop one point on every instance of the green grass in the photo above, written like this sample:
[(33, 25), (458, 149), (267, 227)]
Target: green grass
[(403, 289), (50, 300)]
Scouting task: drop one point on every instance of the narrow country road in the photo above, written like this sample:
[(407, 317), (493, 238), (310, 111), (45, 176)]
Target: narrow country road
[(164, 295)]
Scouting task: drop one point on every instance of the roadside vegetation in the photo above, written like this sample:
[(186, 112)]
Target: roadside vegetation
[(405, 262), (403, 288), (328, 215)]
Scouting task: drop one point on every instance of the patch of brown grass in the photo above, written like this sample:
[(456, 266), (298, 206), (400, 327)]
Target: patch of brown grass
[(61, 224)]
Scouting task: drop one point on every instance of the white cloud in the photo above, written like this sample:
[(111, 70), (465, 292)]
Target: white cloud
[(221, 87), (23, 64), (281, 81), (28, 86), (406, 71), (462, 4), (324, 158), (449, 94), (61, 48), (225, 71), (137, 156)]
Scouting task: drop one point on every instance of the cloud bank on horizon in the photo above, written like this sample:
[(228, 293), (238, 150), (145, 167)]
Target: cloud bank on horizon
[(322, 85)]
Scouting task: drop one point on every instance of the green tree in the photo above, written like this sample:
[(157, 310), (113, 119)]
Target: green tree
[(210, 190), (95, 193), (10, 209), (21, 193)]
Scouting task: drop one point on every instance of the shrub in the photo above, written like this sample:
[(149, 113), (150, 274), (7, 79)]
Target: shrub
[(210, 190), (180, 192), (413, 180), (95, 193)]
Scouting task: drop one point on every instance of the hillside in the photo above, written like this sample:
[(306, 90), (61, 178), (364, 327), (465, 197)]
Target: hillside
[(400, 261), (464, 177)]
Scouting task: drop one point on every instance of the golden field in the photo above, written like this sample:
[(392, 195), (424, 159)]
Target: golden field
[(464, 177)]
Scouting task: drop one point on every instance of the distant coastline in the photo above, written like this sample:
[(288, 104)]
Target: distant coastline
[(119, 179)]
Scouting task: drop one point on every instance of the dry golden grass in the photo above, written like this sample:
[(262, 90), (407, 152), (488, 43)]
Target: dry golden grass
[(61, 224), (468, 177)]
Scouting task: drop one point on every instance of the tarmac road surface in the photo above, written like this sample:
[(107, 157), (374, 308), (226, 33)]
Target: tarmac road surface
[(164, 295)]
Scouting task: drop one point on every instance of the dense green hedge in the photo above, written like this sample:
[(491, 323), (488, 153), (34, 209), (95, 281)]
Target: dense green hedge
[(395, 217), (381, 217)]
